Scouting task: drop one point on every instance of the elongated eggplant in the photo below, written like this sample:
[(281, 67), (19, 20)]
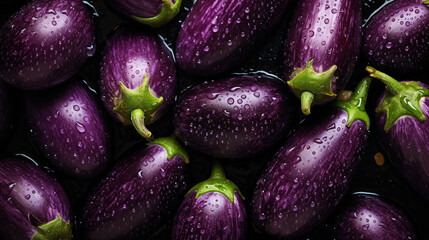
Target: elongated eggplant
[(137, 78), (217, 35), (33, 205), (396, 38), (223, 118), (371, 218), (139, 194), (212, 209), (403, 129), (310, 174), (321, 49), (69, 128), (45, 50), (7, 116)]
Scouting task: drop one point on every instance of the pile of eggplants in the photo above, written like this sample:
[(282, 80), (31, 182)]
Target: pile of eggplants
[(230, 120)]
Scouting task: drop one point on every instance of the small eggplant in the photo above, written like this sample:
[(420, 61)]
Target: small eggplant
[(7, 116), (137, 78), (212, 209), (321, 49), (403, 129), (139, 194), (33, 205), (69, 128), (369, 217), (223, 118), (396, 39), (45, 43), (217, 35), (310, 175)]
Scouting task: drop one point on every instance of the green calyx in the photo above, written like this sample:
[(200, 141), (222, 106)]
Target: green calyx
[(53, 230), (138, 106), (172, 146), (168, 12), (355, 106), (426, 2), (402, 98), (312, 87)]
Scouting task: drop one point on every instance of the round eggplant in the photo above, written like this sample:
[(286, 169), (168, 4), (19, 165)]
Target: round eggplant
[(311, 173), (322, 49), (212, 209), (223, 118), (7, 116), (45, 50), (137, 77), (33, 205), (139, 194), (69, 128)]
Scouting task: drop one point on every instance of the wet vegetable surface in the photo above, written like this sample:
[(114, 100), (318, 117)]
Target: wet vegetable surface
[(8, 113)]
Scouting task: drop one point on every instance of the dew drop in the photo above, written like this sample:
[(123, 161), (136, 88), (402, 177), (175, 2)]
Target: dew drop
[(230, 101), (80, 127)]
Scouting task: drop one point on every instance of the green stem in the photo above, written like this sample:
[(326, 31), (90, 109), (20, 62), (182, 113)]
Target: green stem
[(172, 146), (360, 94), (217, 171), (426, 2), (392, 85), (168, 12), (306, 101), (137, 118)]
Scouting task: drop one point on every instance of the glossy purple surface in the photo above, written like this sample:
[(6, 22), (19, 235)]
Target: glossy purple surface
[(69, 128), (7, 114), (223, 118), (308, 176), (370, 218), (45, 50), (210, 216), (137, 196), (396, 38), (217, 35), (26, 189), (139, 8)]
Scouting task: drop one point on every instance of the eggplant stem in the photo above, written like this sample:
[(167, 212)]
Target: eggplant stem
[(137, 118), (392, 85), (217, 171), (426, 2), (360, 94), (306, 101)]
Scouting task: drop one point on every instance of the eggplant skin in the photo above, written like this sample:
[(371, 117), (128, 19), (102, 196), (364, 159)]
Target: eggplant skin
[(217, 35), (8, 114), (223, 118), (137, 196), (143, 9), (45, 50), (25, 189), (309, 175), (68, 127), (210, 216), (371, 218)]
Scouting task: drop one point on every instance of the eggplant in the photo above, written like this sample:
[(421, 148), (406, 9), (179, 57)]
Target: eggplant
[(155, 13), (396, 38), (217, 35), (45, 50), (212, 209), (223, 118), (7, 116), (403, 129), (70, 130), (322, 49), (137, 77), (311, 173), (33, 205), (139, 194), (369, 217)]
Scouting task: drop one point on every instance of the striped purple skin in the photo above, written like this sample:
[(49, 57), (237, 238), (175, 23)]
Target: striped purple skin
[(210, 216), (370, 218), (129, 54), (396, 38), (69, 128), (217, 35), (139, 8), (137, 196), (45, 50), (308, 176), (25, 189), (223, 118), (7, 116)]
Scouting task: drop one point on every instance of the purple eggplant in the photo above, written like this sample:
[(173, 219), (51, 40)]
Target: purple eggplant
[(33, 205), (39, 47), (7, 116), (212, 209), (217, 35), (403, 129), (139, 194), (369, 217), (223, 118), (69, 128), (310, 174), (321, 49), (396, 38), (137, 78)]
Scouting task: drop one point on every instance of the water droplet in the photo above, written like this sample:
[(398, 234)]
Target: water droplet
[(230, 101), (295, 208), (54, 23), (76, 108), (140, 174), (215, 28), (389, 45), (90, 50), (311, 33), (27, 197), (80, 127), (365, 227), (318, 141), (326, 21), (206, 48), (162, 172)]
